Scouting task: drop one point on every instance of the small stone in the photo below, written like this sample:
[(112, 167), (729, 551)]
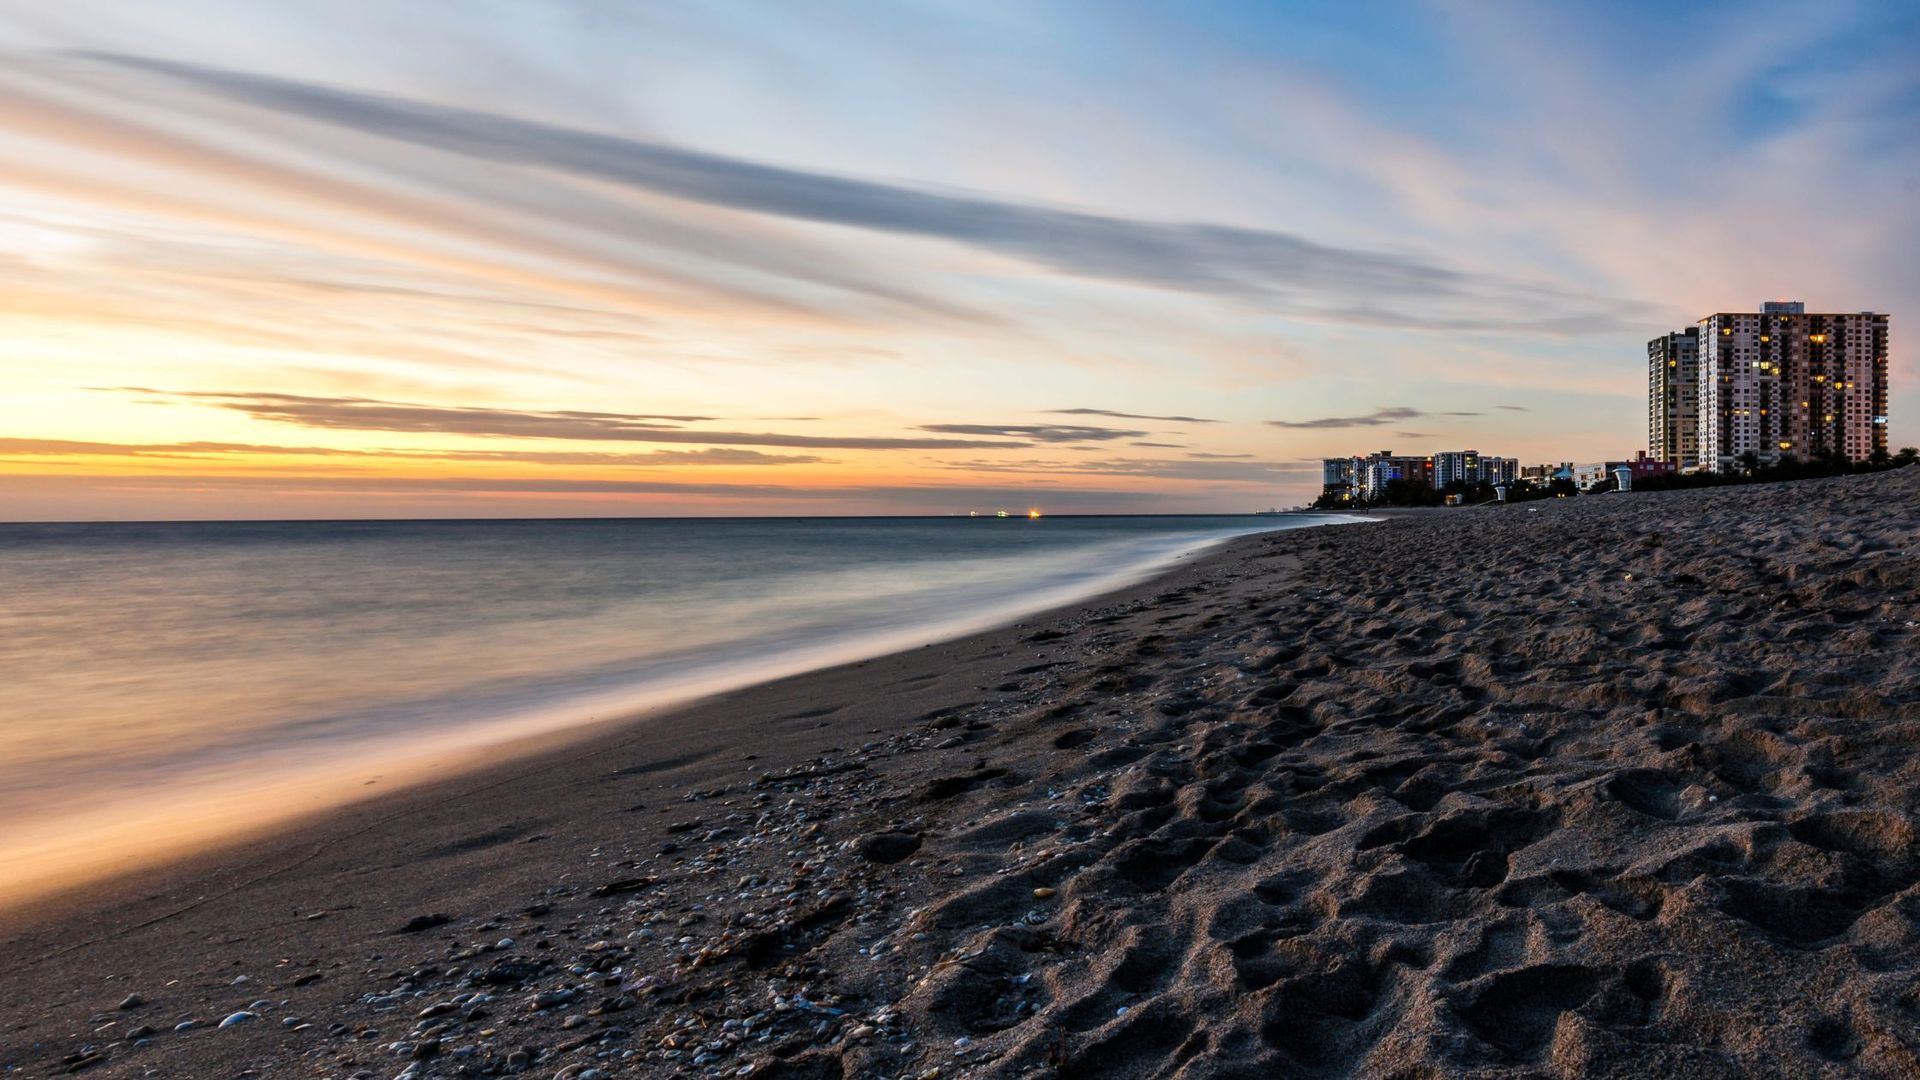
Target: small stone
[(186, 1025), (132, 1001), (426, 922), (427, 1048), (1042, 892), (238, 1018), (141, 1032), (862, 1032), (888, 847)]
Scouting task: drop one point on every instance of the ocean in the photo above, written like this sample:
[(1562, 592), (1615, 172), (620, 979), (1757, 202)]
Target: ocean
[(179, 681)]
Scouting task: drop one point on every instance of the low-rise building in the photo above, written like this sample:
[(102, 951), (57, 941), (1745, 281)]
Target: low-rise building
[(1347, 478), (1640, 467)]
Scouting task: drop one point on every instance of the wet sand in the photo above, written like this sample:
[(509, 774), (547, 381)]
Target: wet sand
[(1606, 786)]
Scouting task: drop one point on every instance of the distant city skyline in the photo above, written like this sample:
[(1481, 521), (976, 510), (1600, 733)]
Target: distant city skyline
[(396, 259)]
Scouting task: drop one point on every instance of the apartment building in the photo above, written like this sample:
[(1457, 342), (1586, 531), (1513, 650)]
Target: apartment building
[(1673, 398), (1367, 477), (1786, 381)]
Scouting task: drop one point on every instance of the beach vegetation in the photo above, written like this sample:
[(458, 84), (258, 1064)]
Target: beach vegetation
[(1750, 470)]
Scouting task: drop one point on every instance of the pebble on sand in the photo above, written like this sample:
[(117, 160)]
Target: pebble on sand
[(888, 847), (426, 922)]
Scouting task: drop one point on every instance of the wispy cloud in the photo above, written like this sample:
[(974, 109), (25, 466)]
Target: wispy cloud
[(1391, 414), (717, 455), (19, 447), (1040, 433), (1278, 270), (1216, 471), (366, 414), (1132, 416)]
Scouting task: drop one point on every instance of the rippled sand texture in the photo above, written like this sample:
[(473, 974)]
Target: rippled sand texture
[(1618, 786), (1621, 787)]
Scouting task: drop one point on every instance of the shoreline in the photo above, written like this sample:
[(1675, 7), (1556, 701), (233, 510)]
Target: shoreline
[(557, 748), (162, 909), (531, 753), (198, 810), (1615, 788)]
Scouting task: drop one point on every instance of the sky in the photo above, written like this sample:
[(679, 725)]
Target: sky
[(388, 258)]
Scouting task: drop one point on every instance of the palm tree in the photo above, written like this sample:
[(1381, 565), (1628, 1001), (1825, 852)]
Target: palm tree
[(1907, 456)]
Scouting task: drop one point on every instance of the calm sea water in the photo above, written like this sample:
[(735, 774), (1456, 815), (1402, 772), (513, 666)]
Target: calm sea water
[(157, 671)]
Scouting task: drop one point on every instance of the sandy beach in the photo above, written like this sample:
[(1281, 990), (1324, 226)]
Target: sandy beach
[(1611, 786)]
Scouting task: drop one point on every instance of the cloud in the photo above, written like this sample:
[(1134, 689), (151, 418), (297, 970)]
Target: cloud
[(369, 414), (1131, 416), (1204, 456), (1042, 433), (1512, 408), (1278, 270), (719, 455), (18, 447), (650, 420), (1160, 445), (1218, 471), (1380, 417)]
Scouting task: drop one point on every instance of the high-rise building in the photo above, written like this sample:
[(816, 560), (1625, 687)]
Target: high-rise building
[(1471, 467), (1368, 477), (1379, 469), (1451, 465), (1337, 476), (1784, 381), (1673, 398)]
